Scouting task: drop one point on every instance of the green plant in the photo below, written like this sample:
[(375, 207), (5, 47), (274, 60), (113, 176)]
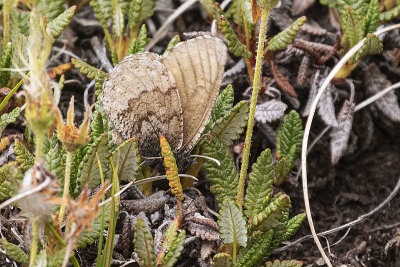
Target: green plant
[(364, 15)]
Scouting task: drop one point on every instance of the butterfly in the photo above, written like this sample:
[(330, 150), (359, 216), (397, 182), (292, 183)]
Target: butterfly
[(147, 95)]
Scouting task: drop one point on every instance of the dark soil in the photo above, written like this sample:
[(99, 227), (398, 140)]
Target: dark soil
[(338, 194)]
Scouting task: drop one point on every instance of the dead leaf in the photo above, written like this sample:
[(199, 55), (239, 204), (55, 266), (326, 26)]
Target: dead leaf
[(340, 134), (375, 82), (270, 111), (299, 6)]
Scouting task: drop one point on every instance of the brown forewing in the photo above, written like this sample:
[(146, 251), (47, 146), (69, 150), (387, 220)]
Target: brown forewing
[(142, 101)]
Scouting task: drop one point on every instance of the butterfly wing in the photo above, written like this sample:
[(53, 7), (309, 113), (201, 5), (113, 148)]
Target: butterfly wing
[(142, 101), (197, 66)]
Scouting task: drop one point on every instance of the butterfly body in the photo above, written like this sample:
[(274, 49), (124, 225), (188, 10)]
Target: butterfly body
[(146, 95)]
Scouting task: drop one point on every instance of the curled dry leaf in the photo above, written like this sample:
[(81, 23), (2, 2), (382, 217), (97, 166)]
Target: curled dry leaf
[(203, 232), (312, 94), (326, 109), (375, 82), (340, 134), (270, 111), (302, 74), (149, 205), (299, 6)]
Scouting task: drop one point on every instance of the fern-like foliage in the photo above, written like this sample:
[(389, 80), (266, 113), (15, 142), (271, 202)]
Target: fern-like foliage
[(24, 158), (171, 169), (56, 259), (223, 104), (260, 184), (257, 251), (8, 118), (175, 251), (127, 156), (351, 25), (232, 226), (170, 237), (288, 134), (224, 179), (91, 72), (371, 21), (144, 245), (7, 184), (54, 163), (234, 44), (89, 172), (174, 41), (57, 25), (286, 37), (102, 10), (14, 252), (222, 260), (138, 44), (139, 11), (389, 15), (285, 166), (90, 235), (50, 8), (270, 216), (5, 62), (229, 128), (371, 46)]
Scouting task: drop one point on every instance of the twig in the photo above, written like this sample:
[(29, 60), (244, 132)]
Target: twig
[(375, 97), (307, 129), (359, 220), (161, 32)]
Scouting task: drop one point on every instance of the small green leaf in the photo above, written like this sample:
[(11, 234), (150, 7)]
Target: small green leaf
[(139, 11), (56, 259), (5, 75), (57, 25), (96, 126), (144, 245), (50, 8), (128, 160), (88, 168), (118, 19), (270, 216), (229, 128), (232, 226), (54, 163), (285, 166), (103, 11), (351, 26), (371, 46), (24, 158), (222, 260), (286, 37), (371, 20), (223, 103), (14, 252), (9, 177), (234, 44), (288, 134), (88, 237), (260, 184), (389, 15), (257, 251), (174, 41), (286, 263), (294, 224), (175, 251), (224, 179), (8, 118), (91, 72), (138, 45)]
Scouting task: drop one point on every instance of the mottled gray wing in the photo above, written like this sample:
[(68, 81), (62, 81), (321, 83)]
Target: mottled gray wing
[(142, 101), (197, 66)]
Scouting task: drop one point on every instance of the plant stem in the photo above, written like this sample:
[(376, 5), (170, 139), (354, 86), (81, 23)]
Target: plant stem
[(67, 180), (73, 259), (10, 94), (250, 124), (39, 146), (34, 243)]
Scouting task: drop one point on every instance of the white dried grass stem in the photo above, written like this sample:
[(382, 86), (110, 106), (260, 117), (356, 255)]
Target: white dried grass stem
[(161, 32), (375, 97), (307, 129)]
